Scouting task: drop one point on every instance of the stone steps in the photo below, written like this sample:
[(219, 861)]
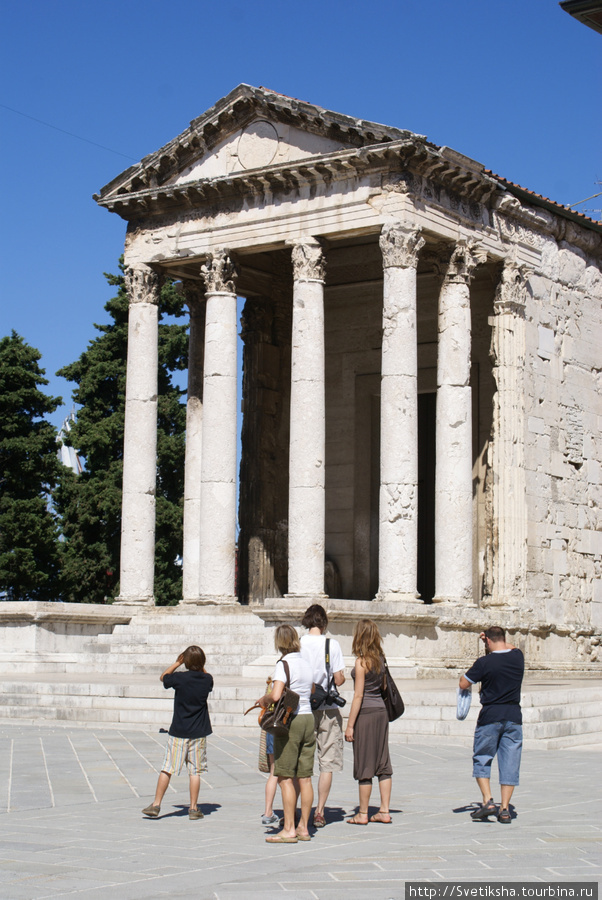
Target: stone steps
[(111, 679), (230, 637), (553, 718)]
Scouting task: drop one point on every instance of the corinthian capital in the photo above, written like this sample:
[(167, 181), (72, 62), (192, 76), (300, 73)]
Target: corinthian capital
[(142, 285), (510, 295), (467, 255), (400, 246), (308, 261), (219, 272)]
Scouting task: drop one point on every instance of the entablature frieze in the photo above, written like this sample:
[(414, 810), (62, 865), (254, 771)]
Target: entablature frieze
[(411, 165)]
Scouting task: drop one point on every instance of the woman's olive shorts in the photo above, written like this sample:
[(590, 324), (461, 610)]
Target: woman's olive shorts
[(294, 754)]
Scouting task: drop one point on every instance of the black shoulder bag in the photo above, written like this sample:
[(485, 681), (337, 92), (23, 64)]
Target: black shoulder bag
[(394, 704)]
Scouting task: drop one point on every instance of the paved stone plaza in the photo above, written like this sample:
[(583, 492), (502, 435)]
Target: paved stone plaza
[(71, 797)]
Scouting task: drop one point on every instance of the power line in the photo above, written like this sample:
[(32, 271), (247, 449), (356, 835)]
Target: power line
[(70, 133)]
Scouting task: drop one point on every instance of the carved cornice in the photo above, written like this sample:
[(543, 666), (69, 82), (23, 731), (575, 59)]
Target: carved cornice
[(400, 246), (511, 292), (219, 273), (432, 173), (467, 255), (142, 284), (308, 261)]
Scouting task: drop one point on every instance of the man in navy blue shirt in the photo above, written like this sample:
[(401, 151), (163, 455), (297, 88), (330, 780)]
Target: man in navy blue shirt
[(499, 726)]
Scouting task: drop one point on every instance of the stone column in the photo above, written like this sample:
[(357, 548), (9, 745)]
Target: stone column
[(136, 580), (195, 300), (453, 470), (507, 550), (217, 562), (306, 510), (398, 499)]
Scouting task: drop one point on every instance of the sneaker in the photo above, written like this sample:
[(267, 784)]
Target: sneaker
[(484, 810), (151, 811), (270, 820), (195, 814), (504, 817)]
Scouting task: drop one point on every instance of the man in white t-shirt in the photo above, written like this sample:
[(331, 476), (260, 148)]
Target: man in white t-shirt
[(328, 719)]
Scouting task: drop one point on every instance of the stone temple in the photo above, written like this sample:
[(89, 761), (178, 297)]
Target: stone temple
[(421, 437)]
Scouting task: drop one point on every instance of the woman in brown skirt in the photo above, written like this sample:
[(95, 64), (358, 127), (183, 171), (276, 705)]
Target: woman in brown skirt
[(368, 725)]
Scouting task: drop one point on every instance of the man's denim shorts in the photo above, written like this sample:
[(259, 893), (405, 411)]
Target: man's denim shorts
[(503, 738)]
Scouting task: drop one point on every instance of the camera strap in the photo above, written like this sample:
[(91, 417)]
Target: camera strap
[(329, 677)]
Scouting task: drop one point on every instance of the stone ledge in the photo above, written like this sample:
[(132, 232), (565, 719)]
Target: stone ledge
[(35, 612), (468, 618)]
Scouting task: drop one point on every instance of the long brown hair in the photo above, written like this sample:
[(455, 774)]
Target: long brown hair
[(367, 644)]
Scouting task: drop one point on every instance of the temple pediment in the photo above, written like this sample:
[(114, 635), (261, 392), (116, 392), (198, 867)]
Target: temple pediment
[(248, 129), (260, 143)]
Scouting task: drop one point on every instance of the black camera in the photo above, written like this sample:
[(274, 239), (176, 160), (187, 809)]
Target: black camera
[(334, 698)]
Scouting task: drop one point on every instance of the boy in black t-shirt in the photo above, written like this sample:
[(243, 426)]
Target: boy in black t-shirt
[(499, 726), (188, 730)]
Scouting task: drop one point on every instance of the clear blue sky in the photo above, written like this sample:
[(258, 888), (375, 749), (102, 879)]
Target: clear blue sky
[(514, 84)]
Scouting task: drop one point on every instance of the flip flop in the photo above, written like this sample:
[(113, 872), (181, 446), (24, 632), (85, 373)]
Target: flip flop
[(281, 840), (353, 820), (381, 821), (303, 837)]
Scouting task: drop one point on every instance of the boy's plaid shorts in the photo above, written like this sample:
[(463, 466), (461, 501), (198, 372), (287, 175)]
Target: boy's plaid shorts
[(192, 751)]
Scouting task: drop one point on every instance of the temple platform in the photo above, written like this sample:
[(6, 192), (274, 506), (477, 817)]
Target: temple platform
[(558, 713)]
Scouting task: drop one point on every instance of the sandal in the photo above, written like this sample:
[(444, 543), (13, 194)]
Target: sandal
[(504, 817), (355, 821), (483, 811), (382, 817), (319, 820)]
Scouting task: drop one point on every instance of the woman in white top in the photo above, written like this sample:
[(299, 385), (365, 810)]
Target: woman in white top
[(293, 753)]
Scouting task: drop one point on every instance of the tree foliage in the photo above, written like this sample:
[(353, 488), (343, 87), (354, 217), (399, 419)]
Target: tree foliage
[(90, 503), (29, 469)]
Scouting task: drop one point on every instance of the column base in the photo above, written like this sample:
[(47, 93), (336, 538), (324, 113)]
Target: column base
[(308, 599), (142, 602), (397, 596), (454, 601), (210, 600)]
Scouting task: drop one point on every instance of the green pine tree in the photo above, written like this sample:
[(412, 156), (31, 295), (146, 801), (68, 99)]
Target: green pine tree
[(29, 469), (90, 503)]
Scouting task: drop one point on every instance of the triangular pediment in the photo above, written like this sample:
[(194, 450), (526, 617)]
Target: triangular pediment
[(263, 142), (249, 129)]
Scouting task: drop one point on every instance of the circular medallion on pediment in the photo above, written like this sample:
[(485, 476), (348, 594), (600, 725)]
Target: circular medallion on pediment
[(257, 145)]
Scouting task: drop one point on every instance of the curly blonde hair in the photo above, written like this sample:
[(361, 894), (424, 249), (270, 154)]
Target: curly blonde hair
[(367, 644)]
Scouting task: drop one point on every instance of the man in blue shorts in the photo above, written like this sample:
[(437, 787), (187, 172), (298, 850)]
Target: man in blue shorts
[(499, 726)]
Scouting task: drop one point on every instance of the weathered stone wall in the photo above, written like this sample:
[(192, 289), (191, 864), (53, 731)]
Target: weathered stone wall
[(563, 450)]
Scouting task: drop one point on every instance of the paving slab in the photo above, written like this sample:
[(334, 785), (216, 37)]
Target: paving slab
[(71, 826)]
